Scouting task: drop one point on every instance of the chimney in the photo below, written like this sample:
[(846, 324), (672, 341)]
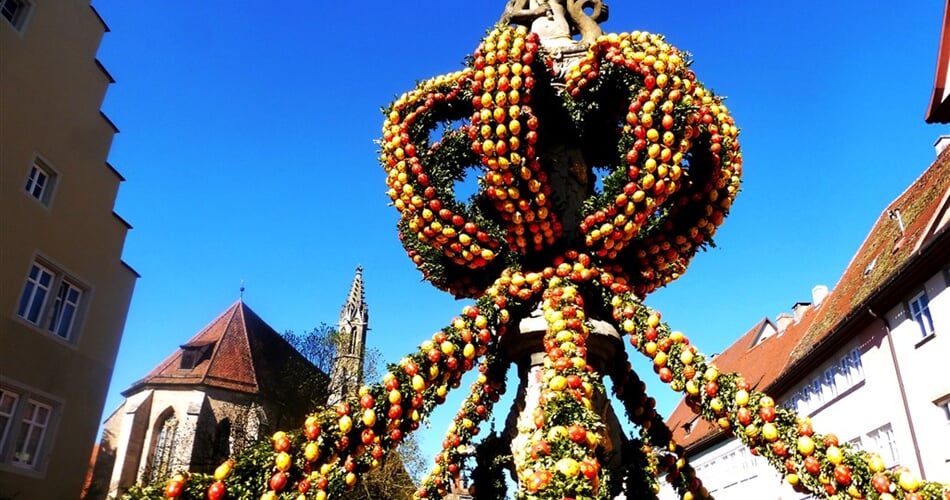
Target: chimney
[(942, 142), (783, 321), (818, 294), (798, 310)]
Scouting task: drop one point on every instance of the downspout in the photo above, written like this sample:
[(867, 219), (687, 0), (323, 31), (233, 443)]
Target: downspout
[(900, 384)]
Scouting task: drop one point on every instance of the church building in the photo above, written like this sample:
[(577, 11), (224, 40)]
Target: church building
[(234, 381)]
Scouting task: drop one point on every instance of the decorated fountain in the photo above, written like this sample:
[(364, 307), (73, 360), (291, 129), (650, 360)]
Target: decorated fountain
[(603, 166)]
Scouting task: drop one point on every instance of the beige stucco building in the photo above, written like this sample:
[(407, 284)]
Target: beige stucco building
[(65, 291)]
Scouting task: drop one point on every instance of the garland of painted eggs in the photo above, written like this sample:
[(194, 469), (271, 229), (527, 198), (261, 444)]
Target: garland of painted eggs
[(673, 162), (672, 165)]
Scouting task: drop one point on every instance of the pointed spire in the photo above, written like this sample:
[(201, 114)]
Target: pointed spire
[(355, 309), (347, 372)]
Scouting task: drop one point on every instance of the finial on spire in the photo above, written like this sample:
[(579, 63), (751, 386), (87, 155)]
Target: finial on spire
[(241, 295)]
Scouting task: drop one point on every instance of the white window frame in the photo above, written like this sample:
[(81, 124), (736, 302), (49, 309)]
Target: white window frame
[(7, 415), (857, 365), (17, 19), (830, 383), (65, 308), (884, 442), (40, 181), (32, 424), (851, 370), (36, 292), (59, 309), (17, 455), (918, 308)]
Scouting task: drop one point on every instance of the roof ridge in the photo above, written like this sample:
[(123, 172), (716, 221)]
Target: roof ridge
[(237, 306)]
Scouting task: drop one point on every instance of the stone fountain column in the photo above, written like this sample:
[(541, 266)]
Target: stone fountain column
[(526, 350), (565, 29)]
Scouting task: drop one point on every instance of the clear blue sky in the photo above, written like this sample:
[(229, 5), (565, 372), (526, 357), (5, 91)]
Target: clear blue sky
[(247, 144)]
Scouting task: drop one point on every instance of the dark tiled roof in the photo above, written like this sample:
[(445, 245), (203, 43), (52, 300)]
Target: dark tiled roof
[(885, 250), (237, 351)]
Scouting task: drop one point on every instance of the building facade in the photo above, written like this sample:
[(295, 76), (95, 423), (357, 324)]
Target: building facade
[(864, 362), (65, 291)]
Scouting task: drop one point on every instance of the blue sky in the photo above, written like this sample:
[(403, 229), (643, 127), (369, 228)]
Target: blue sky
[(247, 144)]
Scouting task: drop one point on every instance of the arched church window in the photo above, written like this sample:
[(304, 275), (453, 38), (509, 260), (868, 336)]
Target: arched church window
[(164, 448)]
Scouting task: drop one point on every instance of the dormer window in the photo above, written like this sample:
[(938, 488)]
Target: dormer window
[(193, 354), (188, 359)]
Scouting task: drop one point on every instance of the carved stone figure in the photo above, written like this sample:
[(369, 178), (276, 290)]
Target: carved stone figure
[(558, 21)]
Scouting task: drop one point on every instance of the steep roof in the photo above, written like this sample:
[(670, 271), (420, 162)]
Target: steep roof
[(760, 360), (922, 212), (237, 351)]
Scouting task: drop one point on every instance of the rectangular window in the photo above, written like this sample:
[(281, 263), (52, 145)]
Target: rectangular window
[(920, 312), (188, 359), (27, 427), (819, 395), (857, 366), (57, 315), (8, 401), (64, 309), (882, 441), (809, 401), (32, 301), (14, 11), (40, 181), (32, 431), (850, 370), (831, 384)]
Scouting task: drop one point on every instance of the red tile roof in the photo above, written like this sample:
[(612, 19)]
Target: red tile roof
[(237, 351), (759, 362)]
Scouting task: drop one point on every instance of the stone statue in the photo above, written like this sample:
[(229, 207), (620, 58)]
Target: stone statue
[(557, 21)]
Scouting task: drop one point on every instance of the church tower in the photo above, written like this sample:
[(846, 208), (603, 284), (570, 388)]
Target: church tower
[(351, 344)]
